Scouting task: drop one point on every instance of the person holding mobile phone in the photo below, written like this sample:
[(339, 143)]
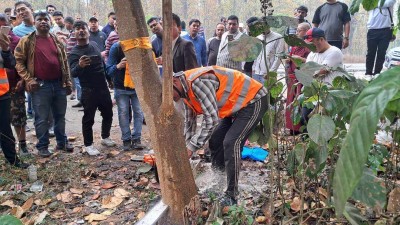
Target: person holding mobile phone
[(87, 64)]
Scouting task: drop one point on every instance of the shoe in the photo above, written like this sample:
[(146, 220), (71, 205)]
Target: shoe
[(44, 152), (126, 145), (72, 97), (27, 129), (67, 148), (29, 116), (23, 149), (91, 150), (108, 142), (51, 132), (77, 105), (20, 164), (226, 200), (136, 144)]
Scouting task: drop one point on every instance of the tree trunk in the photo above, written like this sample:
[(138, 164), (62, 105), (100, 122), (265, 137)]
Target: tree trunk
[(164, 122)]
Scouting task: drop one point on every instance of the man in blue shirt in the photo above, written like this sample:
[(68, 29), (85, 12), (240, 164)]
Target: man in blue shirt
[(25, 11), (198, 42), (110, 25)]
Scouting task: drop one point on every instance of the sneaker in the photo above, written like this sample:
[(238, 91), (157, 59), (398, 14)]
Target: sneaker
[(51, 132), (23, 149), (227, 200), (44, 152), (20, 164), (126, 145), (77, 105), (136, 144), (72, 97), (91, 150), (108, 142), (67, 148)]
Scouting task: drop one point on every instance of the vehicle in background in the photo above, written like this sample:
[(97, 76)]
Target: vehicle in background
[(392, 58)]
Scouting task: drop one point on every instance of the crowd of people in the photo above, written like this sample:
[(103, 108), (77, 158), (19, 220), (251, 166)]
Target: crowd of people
[(49, 56)]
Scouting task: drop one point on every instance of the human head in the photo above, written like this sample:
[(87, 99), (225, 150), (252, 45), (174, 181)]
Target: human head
[(7, 11), (317, 37), (220, 30), (223, 20), (4, 20), (176, 26), (301, 12), (69, 23), (50, 9), (155, 26), (241, 27), (24, 10), (93, 24), (249, 21), (179, 90), (58, 18), (183, 25), (81, 30), (194, 26), (302, 29), (111, 18), (78, 17), (233, 24), (42, 22)]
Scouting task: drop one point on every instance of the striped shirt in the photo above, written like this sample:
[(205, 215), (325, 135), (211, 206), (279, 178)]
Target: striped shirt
[(223, 58), (205, 88), (112, 38)]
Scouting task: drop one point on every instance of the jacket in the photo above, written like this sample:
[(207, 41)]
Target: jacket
[(24, 55)]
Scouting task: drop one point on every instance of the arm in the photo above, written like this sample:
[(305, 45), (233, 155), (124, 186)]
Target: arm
[(76, 70), (204, 90), (190, 126), (316, 19), (21, 60), (190, 56), (280, 47), (112, 61), (346, 21), (9, 60), (204, 54)]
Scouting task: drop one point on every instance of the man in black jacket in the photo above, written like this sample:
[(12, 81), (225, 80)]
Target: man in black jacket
[(87, 64)]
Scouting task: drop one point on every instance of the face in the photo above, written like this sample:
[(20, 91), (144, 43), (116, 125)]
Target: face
[(233, 26), (23, 12), (301, 14), (77, 18), (59, 20), (300, 32), (194, 28), (8, 13), (111, 19), (94, 25), (318, 42), (175, 30), (42, 24), (3, 23), (220, 30), (155, 27), (51, 10), (81, 33), (69, 26)]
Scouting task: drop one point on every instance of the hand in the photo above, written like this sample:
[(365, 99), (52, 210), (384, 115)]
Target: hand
[(122, 65), (68, 90), (110, 85), (32, 86), (4, 42), (345, 43), (84, 61), (20, 86), (159, 60), (190, 153)]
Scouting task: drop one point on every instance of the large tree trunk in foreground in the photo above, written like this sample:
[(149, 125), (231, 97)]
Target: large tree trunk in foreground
[(164, 122)]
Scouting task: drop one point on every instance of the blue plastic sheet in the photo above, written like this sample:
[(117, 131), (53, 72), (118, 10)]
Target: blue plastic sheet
[(255, 153)]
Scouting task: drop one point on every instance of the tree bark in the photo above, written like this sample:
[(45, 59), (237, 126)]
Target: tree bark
[(164, 122)]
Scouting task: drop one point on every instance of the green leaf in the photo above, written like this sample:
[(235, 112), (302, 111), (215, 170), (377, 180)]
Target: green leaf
[(353, 215), (304, 78), (370, 4), (255, 134), (246, 48), (281, 21), (300, 153), (370, 190), (355, 6), (298, 62), (293, 40), (342, 93), (367, 110), (320, 129), (276, 90), (258, 27), (9, 220)]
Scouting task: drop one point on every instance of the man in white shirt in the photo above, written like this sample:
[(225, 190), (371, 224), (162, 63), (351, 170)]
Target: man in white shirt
[(378, 36), (325, 54)]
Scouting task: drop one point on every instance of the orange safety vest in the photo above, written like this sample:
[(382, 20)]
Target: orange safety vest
[(4, 86), (235, 90)]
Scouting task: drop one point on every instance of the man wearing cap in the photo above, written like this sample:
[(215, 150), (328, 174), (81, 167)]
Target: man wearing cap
[(232, 104), (96, 35), (333, 17)]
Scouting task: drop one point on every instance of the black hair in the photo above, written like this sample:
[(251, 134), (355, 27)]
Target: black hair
[(69, 19), (222, 19), (4, 17), (251, 19), (157, 19), (52, 6), (80, 23), (41, 13), (183, 25), (111, 14), (303, 8), (7, 10), (233, 17), (176, 19), (23, 2), (58, 13), (194, 21)]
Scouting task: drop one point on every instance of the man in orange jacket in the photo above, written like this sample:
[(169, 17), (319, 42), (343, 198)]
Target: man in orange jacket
[(232, 104)]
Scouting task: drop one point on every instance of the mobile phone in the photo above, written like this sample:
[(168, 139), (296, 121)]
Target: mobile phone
[(95, 58), (5, 30), (230, 37)]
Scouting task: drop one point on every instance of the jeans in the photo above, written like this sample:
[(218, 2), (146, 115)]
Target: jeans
[(93, 99), (50, 96), (127, 100), (29, 111), (78, 88), (259, 78), (377, 43), (7, 140), (228, 138)]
